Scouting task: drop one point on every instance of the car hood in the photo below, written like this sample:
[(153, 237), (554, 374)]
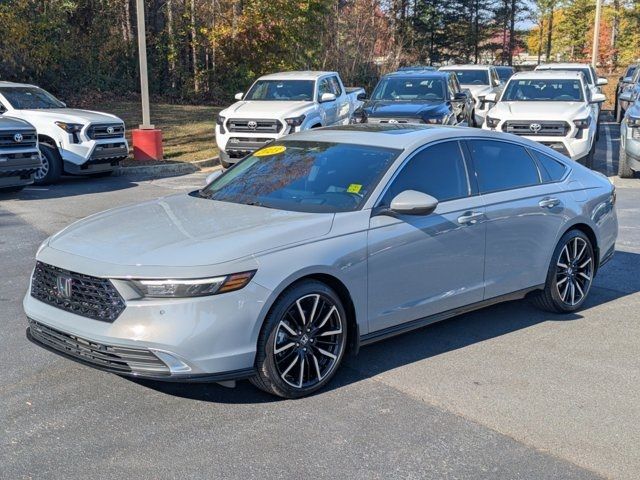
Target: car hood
[(266, 109), (70, 115), (478, 90), (404, 109), (186, 231), (540, 110), (11, 123)]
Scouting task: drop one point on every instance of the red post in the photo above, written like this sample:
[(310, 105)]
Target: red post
[(147, 144)]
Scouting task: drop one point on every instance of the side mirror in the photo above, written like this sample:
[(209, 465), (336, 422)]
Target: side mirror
[(327, 97), (621, 79), (361, 96), (238, 96), (491, 98), (411, 202), (602, 81), (212, 176), (598, 98)]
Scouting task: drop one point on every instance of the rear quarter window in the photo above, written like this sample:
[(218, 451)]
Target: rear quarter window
[(552, 169)]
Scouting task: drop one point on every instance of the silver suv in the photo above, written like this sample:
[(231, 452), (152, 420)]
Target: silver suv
[(19, 154), (629, 161)]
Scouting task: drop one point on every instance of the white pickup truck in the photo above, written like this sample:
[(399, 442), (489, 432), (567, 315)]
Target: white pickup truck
[(279, 104), (76, 142), (555, 108)]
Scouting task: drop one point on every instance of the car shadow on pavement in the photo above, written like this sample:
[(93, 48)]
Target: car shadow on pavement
[(616, 280), (71, 187)]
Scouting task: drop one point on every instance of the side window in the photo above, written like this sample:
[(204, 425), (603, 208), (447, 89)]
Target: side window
[(336, 86), (553, 170), (438, 170), (324, 87), (502, 166)]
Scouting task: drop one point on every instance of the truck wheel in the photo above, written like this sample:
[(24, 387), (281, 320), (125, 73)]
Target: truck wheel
[(619, 113), (624, 170), (51, 166)]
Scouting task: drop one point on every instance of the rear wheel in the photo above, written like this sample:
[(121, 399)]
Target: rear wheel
[(302, 342), (570, 274), (51, 166), (624, 170)]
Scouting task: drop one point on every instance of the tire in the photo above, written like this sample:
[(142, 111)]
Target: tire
[(624, 170), (472, 119), (52, 166), (619, 113), (294, 360), (574, 250)]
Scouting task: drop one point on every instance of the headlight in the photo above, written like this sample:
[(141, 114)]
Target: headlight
[(359, 116), (70, 127), (198, 287), (583, 122), (633, 122), (295, 121), (492, 122), (220, 122)]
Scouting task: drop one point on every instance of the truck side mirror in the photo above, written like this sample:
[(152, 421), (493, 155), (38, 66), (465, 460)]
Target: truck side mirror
[(362, 96), (327, 97), (238, 96)]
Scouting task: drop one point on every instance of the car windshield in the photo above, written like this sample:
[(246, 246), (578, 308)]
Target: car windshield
[(409, 89), (586, 71), (23, 98), (543, 91), (504, 73), (283, 90), (472, 77), (302, 176), (630, 71)]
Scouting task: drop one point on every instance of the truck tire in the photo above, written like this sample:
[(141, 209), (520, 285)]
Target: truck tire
[(51, 166), (624, 170), (619, 113)]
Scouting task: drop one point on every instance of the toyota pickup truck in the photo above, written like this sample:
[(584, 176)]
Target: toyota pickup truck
[(629, 161), (19, 155), (554, 108), (72, 141), (279, 104)]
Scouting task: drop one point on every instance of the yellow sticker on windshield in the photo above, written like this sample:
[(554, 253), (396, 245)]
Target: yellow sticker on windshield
[(354, 188), (265, 152)]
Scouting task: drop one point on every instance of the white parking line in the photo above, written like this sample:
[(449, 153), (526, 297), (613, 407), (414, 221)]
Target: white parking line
[(609, 151)]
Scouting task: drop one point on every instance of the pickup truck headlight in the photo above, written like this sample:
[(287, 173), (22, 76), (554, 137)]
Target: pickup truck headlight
[(70, 127), (492, 122), (220, 122), (359, 116), (583, 122), (295, 121), (633, 122), (197, 287)]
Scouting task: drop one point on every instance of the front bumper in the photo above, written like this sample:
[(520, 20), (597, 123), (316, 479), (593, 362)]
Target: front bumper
[(92, 156), (17, 168), (234, 146)]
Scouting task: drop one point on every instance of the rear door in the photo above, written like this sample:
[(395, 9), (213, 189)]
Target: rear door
[(524, 214)]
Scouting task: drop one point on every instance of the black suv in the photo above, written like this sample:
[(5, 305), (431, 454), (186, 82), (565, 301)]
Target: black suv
[(417, 96), (19, 154)]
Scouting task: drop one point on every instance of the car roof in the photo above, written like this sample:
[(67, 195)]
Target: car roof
[(297, 75), (560, 66), (418, 73), (548, 74), (465, 67), (397, 136)]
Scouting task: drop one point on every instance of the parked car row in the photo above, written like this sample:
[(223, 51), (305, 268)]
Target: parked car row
[(69, 141)]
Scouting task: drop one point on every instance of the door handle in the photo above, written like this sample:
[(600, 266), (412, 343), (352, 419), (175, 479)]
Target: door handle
[(549, 202), (470, 218)]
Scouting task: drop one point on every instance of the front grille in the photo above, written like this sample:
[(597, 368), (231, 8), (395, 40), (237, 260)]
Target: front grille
[(558, 147), (547, 129), (106, 130), (28, 139), (257, 126), (87, 296), (117, 359), (110, 150), (635, 133), (394, 120)]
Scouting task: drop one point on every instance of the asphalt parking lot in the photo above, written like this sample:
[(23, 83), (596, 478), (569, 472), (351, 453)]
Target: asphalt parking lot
[(506, 392)]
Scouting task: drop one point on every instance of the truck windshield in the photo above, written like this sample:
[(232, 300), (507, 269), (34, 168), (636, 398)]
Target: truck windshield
[(472, 77), (300, 176), (23, 98), (291, 90), (630, 71), (543, 90), (504, 73), (408, 88)]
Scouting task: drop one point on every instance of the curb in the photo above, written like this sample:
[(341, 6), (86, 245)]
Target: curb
[(165, 170)]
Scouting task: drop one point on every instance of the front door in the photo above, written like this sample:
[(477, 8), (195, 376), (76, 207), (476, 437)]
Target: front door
[(423, 265)]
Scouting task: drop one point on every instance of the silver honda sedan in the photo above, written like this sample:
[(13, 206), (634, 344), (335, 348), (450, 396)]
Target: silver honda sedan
[(316, 245)]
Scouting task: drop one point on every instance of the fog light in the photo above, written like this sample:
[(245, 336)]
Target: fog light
[(175, 364)]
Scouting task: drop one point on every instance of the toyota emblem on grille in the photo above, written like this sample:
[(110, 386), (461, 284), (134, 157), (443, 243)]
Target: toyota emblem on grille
[(110, 130), (18, 138), (252, 124), (63, 286), (535, 127)]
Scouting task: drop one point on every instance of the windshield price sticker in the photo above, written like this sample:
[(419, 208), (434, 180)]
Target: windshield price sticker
[(275, 150), (354, 188)]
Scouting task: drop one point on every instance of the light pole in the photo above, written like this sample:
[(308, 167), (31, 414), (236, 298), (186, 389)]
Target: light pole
[(147, 140), (596, 35)]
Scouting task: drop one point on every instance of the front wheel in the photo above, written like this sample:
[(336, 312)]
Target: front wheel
[(570, 274), (51, 168), (302, 341), (624, 170)]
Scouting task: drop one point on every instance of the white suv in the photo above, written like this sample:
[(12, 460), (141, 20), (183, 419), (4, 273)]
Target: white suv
[(554, 108), (77, 142)]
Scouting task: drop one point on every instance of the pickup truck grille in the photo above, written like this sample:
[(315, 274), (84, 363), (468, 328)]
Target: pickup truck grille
[(87, 296), (105, 130), (18, 139), (257, 126), (394, 120), (530, 129), (109, 357)]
